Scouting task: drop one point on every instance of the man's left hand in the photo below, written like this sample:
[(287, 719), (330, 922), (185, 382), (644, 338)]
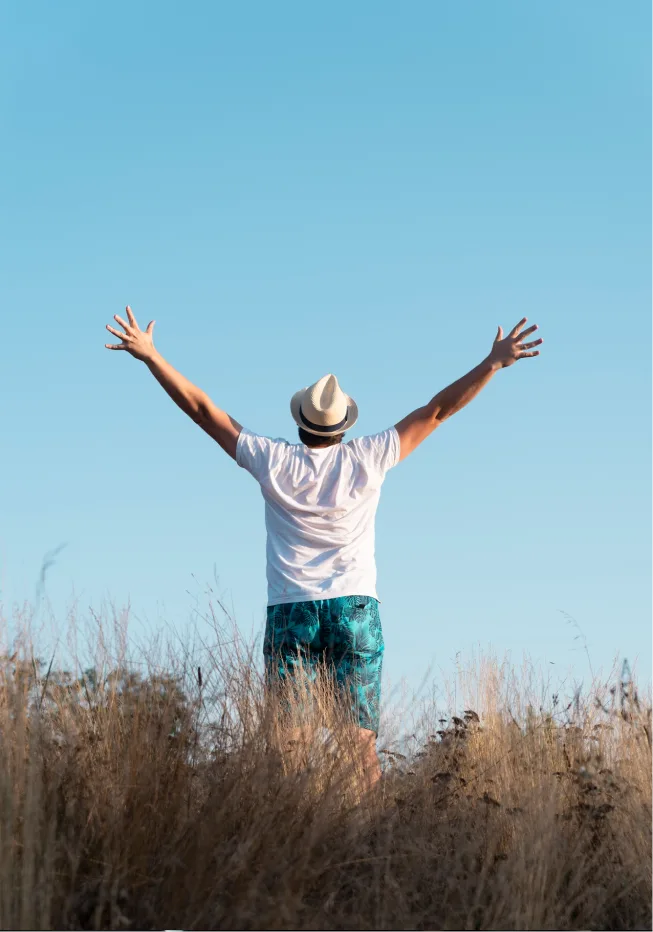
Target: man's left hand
[(507, 351)]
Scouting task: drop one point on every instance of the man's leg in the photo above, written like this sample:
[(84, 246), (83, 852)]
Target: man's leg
[(290, 649), (356, 647), (369, 758)]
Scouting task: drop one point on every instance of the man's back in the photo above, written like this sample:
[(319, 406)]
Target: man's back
[(320, 505)]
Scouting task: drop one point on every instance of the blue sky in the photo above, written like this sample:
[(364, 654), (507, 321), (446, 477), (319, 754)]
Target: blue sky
[(368, 189)]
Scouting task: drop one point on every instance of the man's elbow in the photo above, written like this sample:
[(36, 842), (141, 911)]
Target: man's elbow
[(436, 417), (200, 408)]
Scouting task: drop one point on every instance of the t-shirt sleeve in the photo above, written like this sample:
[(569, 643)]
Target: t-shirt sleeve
[(256, 454), (381, 451)]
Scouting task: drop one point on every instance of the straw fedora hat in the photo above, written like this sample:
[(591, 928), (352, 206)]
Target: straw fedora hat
[(323, 408)]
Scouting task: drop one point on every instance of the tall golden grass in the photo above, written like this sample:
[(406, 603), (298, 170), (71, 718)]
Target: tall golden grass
[(166, 798)]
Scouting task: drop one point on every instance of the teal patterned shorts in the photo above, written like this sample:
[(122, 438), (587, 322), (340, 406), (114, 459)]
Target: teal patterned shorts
[(345, 633)]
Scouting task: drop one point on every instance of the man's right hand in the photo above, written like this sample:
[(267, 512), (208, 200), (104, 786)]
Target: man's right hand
[(506, 351), (137, 342)]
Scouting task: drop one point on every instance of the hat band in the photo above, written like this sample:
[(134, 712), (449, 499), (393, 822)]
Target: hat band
[(332, 428)]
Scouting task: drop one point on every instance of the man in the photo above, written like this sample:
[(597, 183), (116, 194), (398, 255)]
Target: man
[(321, 497)]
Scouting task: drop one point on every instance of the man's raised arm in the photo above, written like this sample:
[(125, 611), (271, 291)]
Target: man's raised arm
[(417, 426), (191, 399)]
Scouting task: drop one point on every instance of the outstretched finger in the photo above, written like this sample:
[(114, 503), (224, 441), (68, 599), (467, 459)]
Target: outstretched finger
[(499, 335), (524, 355), (523, 346), (150, 327), (528, 331), (115, 346), (130, 315), (116, 333), (122, 322), (515, 330)]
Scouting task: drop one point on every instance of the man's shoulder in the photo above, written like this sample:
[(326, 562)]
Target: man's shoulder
[(373, 442), (380, 449), (255, 451), (251, 437)]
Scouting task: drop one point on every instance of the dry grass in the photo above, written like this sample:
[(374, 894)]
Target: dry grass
[(161, 800)]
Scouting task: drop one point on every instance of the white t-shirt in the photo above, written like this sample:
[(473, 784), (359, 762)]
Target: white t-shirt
[(320, 504)]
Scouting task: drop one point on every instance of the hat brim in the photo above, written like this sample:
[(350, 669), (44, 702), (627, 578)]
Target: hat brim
[(295, 404)]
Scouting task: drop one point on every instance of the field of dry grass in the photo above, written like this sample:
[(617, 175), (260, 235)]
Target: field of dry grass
[(164, 799)]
